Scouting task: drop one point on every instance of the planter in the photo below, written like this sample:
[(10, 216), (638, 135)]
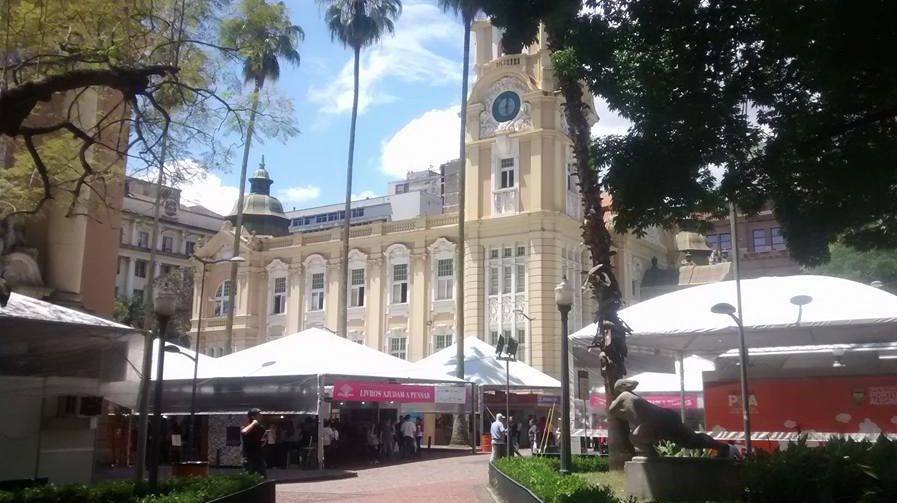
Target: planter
[(486, 443), (261, 493), (508, 489), (190, 469), (683, 479)]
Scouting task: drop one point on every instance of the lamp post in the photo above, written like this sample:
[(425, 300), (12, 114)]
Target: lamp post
[(729, 310), (507, 352), (529, 335), (563, 297), (202, 289), (164, 305)]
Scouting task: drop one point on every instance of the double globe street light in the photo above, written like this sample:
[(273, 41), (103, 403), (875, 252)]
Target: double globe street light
[(563, 297)]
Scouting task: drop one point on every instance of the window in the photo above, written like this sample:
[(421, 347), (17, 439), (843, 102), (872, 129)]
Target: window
[(357, 286), (445, 284), (521, 251), (400, 283), (189, 247), (720, 242), (401, 188), (317, 292), (357, 212), (167, 244), (320, 218), (143, 239), (760, 244), (398, 346), (521, 342), (520, 283), (507, 174), (221, 302), (493, 281), (506, 279), (166, 270), (441, 341), (493, 337), (138, 294), (140, 268), (778, 240), (280, 296), (506, 253), (493, 253)]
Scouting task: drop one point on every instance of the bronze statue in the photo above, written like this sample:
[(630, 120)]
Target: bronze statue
[(650, 424)]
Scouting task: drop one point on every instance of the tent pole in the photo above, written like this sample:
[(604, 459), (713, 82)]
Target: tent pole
[(681, 387), (473, 418), (320, 422)]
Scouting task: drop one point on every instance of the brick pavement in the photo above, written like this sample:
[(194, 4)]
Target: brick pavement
[(448, 479)]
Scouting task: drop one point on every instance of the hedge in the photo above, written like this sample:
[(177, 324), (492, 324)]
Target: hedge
[(540, 475), (172, 490)]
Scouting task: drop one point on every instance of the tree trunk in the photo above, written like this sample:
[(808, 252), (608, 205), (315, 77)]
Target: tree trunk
[(610, 338), (460, 428), (343, 323), (238, 225)]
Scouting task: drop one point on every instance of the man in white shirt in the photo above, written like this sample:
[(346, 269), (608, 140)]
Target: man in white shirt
[(329, 437), (498, 437), (409, 431)]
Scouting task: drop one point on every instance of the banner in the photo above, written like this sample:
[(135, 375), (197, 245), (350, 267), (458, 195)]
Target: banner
[(451, 394), (597, 401), (354, 391)]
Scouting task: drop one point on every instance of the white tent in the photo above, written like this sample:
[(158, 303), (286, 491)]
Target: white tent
[(319, 352), (179, 365), (681, 321), (658, 382), (481, 367)]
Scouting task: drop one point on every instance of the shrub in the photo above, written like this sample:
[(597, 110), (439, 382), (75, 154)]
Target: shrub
[(540, 475), (842, 470), (174, 490)]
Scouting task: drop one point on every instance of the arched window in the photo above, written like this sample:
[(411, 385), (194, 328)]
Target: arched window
[(221, 306)]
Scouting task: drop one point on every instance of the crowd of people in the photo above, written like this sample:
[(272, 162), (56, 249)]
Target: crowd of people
[(278, 445)]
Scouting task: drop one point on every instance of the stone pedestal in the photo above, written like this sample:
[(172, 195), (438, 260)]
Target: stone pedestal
[(682, 479)]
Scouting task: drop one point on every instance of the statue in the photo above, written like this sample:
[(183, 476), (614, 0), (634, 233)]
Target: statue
[(649, 424)]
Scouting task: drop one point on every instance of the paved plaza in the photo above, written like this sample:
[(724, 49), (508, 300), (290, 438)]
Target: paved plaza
[(448, 478)]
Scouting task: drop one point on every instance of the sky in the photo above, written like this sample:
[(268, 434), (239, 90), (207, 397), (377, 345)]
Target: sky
[(407, 119)]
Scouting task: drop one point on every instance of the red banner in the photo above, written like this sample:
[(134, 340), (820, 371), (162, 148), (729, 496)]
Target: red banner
[(665, 401), (354, 391)]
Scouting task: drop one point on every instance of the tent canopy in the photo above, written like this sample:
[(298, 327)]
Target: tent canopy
[(179, 365), (657, 382), (840, 311), (481, 367), (317, 352)]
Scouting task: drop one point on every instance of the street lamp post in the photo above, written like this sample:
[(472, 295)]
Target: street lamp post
[(729, 309), (202, 289), (507, 351), (529, 335), (563, 296), (164, 305)]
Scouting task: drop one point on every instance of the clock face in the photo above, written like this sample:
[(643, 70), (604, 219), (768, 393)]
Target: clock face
[(506, 106)]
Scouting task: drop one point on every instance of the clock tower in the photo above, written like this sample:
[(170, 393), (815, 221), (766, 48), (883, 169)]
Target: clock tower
[(523, 206)]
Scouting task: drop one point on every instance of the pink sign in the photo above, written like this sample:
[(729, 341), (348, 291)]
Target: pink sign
[(353, 391), (665, 401)]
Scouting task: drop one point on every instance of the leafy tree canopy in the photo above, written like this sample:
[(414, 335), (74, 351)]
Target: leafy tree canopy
[(862, 266)]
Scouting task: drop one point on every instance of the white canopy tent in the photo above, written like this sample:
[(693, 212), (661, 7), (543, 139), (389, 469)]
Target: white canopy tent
[(659, 382), (681, 322), (483, 369), (179, 365)]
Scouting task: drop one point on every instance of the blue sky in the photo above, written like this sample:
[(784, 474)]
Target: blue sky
[(408, 111)]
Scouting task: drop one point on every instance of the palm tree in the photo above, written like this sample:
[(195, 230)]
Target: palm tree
[(262, 34), (357, 24), (467, 9)]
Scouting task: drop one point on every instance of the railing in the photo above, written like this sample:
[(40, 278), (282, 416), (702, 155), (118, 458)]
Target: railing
[(360, 232), (507, 61), (404, 226), (504, 201), (317, 238), (443, 220)]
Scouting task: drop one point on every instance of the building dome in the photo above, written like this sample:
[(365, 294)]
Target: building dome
[(262, 212)]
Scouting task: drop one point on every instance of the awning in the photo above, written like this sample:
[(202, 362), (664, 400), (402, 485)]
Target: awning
[(482, 368)]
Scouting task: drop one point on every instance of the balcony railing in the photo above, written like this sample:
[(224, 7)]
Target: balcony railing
[(504, 201)]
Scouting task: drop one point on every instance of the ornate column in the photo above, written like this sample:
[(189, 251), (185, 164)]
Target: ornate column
[(419, 298), (376, 301), (331, 304), (295, 297), (129, 275)]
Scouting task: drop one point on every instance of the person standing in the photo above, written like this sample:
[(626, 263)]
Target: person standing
[(387, 440), (497, 431), (329, 437), (513, 437), (419, 425), (409, 431), (253, 437), (533, 433)]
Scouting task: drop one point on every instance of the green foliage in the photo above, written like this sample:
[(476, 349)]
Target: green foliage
[(540, 475), (173, 490), (862, 266), (667, 448), (839, 471), (360, 23)]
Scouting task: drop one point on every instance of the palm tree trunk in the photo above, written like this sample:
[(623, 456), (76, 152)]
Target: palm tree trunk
[(610, 338), (459, 425), (238, 226), (342, 324)]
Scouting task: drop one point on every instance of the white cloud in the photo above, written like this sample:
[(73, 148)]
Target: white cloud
[(428, 140), (300, 194), (609, 122), (198, 186), (404, 56), (364, 194)]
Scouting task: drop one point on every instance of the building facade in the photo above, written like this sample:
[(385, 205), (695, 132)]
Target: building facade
[(182, 230), (523, 235)]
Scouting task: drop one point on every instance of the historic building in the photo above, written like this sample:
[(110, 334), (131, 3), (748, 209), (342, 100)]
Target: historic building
[(522, 235), (182, 229)]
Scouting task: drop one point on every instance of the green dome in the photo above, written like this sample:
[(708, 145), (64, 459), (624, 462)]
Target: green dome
[(260, 204)]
